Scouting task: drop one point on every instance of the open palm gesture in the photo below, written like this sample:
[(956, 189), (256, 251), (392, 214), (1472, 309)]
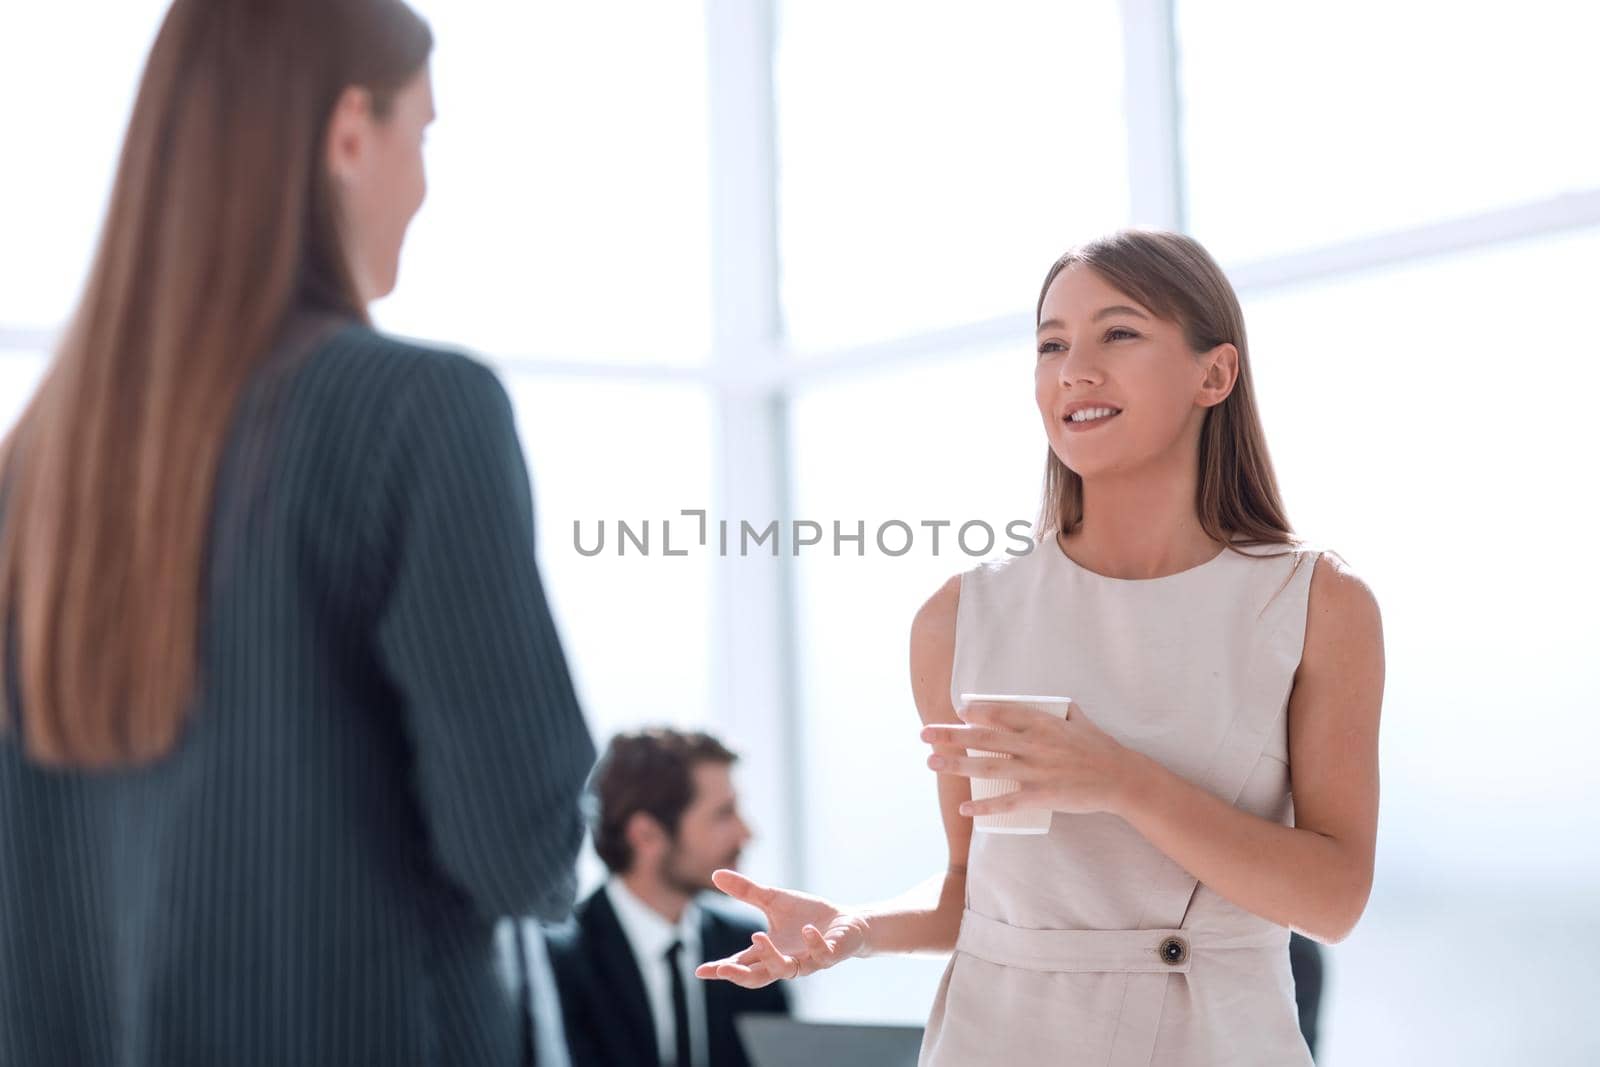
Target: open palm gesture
[(805, 934)]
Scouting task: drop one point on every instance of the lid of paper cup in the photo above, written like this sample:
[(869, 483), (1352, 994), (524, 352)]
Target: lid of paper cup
[(1011, 698)]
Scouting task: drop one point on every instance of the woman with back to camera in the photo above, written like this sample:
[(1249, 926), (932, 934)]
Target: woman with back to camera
[(1207, 650), (287, 725)]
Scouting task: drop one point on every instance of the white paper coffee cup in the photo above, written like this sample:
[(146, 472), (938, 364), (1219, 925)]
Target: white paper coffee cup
[(1023, 820)]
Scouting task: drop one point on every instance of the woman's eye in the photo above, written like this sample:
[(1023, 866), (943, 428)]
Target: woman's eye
[(1115, 333)]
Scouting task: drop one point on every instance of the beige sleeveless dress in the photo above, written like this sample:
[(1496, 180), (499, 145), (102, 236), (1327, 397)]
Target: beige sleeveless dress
[(1088, 945)]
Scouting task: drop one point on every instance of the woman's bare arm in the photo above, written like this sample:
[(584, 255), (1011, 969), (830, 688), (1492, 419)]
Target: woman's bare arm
[(1314, 876), (806, 934), (927, 918)]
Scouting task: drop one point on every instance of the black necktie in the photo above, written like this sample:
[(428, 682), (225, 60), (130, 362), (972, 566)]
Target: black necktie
[(680, 1007)]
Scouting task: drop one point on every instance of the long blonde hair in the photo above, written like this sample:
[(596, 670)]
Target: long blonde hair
[(1172, 275)]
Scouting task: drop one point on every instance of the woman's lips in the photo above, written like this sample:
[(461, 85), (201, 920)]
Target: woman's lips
[(1091, 424)]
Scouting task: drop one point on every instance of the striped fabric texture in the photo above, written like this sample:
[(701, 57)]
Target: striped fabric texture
[(383, 756)]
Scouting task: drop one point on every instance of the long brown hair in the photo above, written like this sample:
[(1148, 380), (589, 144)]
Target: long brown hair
[(1172, 275), (222, 220)]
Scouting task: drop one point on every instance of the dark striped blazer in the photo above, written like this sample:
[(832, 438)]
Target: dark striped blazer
[(383, 756)]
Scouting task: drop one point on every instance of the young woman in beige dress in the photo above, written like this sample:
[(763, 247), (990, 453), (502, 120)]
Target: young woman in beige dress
[(1208, 650)]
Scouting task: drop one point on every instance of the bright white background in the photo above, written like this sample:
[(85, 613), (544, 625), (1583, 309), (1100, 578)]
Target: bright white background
[(781, 263)]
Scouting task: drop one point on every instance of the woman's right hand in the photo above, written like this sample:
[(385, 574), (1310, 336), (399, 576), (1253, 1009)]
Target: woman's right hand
[(805, 934)]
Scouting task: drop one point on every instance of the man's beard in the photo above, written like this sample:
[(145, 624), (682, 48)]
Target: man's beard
[(689, 883)]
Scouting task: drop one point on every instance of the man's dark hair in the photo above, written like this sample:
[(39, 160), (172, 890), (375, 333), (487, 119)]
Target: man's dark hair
[(649, 770)]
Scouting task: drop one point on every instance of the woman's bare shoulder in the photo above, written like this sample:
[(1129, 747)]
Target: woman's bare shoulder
[(1337, 592), (939, 610), (933, 639), (1344, 626)]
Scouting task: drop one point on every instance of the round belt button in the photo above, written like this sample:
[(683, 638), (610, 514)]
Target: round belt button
[(1174, 950)]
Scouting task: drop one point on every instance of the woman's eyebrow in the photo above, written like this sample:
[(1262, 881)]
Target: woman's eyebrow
[(1051, 324)]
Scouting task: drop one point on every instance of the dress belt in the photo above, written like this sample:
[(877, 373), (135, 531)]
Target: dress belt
[(1139, 951)]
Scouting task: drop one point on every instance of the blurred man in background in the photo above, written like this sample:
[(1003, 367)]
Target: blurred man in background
[(665, 816)]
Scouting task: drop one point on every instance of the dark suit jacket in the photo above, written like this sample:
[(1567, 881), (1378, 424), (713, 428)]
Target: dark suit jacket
[(604, 1006), (384, 755)]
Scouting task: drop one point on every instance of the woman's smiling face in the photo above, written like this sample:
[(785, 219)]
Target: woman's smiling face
[(1099, 348)]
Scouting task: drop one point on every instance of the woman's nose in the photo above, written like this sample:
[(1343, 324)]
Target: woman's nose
[(1077, 368)]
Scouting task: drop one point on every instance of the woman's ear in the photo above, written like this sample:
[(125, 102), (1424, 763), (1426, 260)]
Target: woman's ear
[(349, 133), (1222, 370)]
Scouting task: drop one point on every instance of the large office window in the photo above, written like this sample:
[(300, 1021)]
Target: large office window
[(637, 624), (19, 375), (67, 90), (567, 213), (934, 158), (1304, 128)]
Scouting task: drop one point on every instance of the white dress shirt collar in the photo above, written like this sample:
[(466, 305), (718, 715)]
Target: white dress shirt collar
[(649, 935), (648, 930)]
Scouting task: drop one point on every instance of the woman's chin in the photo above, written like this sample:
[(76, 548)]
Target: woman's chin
[(1079, 461)]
